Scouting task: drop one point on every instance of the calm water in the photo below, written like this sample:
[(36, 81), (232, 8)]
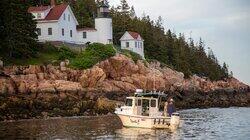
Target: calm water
[(224, 124)]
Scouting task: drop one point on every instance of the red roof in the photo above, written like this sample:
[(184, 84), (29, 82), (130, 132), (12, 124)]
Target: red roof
[(135, 35), (38, 9), (55, 12), (86, 29)]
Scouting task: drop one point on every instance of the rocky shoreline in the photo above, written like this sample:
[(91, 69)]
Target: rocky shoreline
[(53, 91)]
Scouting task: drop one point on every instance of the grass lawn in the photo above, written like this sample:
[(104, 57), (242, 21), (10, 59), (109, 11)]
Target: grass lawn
[(41, 58), (45, 56)]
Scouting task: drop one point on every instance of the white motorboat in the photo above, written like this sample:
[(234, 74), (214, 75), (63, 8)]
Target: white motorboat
[(143, 111)]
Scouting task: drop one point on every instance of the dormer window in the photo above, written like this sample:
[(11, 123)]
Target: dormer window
[(64, 16), (39, 15)]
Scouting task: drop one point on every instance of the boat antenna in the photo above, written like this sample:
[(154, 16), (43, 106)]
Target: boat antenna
[(154, 75)]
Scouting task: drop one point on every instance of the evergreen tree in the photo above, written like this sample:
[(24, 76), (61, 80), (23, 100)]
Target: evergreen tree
[(225, 70), (124, 7), (159, 24), (84, 11), (18, 30), (132, 12)]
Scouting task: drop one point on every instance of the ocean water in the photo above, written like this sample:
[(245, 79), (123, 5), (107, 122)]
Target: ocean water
[(213, 123)]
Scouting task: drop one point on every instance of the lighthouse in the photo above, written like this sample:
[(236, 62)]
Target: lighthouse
[(103, 23)]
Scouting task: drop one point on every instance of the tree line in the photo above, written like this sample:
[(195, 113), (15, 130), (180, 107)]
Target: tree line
[(161, 44)]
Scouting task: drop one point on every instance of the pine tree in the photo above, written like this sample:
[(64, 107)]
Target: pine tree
[(132, 12), (84, 11), (159, 23), (124, 7), (225, 70), (18, 30)]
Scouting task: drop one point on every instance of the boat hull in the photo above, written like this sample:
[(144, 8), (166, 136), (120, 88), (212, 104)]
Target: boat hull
[(150, 122)]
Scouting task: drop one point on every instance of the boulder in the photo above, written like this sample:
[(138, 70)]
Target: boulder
[(63, 66), (104, 105), (22, 88), (116, 86), (41, 76), (67, 86), (46, 86), (143, 67), (33, 69), (91, 77), (118, 66), (7, 85), (173, 77)]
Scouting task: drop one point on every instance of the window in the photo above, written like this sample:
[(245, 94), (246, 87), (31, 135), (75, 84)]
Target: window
[(49, 31), (141, 44), (39, 15), (38, 31), (84, 35), (62, 32), (136, 44), (71, 33), (68, 17), (64, 16), (153, 103), (127, 44), (139, 102), (128, 102)]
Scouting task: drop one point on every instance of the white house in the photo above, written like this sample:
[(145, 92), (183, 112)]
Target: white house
[(133, 41), (58, 23)]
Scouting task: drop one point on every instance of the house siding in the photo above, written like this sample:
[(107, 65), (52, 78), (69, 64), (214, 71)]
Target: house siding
[(67, 26), (139, 49), (44, 31)]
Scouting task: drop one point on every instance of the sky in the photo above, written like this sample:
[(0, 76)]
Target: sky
[(224, 25)]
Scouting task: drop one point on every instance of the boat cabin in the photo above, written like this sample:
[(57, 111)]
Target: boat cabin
[(144, 104), (143, 111)]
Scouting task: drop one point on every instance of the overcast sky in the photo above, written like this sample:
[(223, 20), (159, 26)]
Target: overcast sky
[(224, 25)]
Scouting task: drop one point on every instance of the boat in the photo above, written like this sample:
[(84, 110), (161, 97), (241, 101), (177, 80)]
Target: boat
[(143, 111)]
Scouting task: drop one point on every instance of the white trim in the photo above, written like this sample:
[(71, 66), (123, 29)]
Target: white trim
[(46, 21)]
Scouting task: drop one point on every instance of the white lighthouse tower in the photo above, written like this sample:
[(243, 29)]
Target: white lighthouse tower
[(103, 23)]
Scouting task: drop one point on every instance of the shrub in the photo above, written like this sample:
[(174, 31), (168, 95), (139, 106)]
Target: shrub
[(93, 54), (65, 53), (48, 48), (100, 50), (134, 56)]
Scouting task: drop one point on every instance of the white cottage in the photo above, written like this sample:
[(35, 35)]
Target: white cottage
[(133, 41), (57, 23)]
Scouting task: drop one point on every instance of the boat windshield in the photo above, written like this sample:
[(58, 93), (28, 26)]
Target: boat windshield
[(153, 103), (128, 102)]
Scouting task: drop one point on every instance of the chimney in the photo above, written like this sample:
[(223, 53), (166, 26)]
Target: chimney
[(52, 3)]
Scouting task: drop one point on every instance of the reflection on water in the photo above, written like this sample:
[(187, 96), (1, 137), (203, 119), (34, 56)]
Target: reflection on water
[(230, 123), (137, 133)]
